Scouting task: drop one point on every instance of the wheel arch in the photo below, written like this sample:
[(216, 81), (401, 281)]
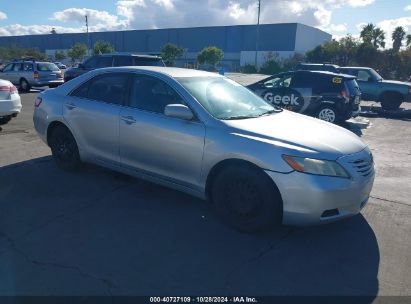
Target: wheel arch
[(52, 126), (389, 92), (220, 166)]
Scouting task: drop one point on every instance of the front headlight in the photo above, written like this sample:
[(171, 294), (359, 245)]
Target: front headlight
[(316, 166)]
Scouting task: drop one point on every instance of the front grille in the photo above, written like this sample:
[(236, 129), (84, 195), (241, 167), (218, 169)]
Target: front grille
[(364, 166)]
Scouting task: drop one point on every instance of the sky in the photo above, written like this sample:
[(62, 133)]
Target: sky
[(337, 17)]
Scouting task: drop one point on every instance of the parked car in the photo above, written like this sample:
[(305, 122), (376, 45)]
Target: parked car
[(324, 95), (390, 93), (110, 60), (206, 135), (10, 103), (60, 65), (31, 73), (318, 67)]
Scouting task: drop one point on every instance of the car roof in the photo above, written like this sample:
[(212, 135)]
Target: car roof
[(129, 54), (327, 73), (169, 71), (360, 68), (317, 64)]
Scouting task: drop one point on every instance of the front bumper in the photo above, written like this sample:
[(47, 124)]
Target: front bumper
[(312, 199), (10, 106)]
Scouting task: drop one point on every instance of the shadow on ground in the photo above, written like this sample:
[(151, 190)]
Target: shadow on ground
[(96, 232), (377, 111)]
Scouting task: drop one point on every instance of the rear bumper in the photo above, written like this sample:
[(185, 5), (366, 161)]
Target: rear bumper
[(46, 83), (311, 199), (10, 107)]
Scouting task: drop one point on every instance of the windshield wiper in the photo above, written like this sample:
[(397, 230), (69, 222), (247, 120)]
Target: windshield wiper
[(270, 112), (237, 117)]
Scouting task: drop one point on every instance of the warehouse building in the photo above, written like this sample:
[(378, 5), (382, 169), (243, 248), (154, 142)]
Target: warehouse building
[(238, 42)]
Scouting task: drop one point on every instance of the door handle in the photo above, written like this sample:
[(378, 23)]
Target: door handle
[(70, 106), (128, 119)]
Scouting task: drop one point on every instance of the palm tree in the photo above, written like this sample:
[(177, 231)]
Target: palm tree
[(366, 33), (397, 37), (370, 34), (378, 38)]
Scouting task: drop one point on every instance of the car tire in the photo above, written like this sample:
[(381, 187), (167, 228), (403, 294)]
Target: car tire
[(24, 86), (5, 119), (329, 113), (64, 148), (246, 199), (391, 101)]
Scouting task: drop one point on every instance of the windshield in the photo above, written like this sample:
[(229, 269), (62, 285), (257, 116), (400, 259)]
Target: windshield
[(375, 75), (226, 99), (46, 66)]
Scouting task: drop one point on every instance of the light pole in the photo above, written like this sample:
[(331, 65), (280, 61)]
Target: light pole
[(88, 37), (257, 34)]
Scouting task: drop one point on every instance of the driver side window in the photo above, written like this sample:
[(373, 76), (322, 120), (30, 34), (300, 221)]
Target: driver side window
[(152, 94), (363, 76)]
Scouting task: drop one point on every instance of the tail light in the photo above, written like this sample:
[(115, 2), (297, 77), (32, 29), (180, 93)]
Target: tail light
[(12, 89), (59, 76), (344, 93), (37, 102), (36, 75)]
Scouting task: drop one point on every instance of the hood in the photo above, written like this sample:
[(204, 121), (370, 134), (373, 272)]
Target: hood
[(302, 134), (401, 83)]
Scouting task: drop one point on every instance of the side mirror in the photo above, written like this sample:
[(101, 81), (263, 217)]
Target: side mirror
[(178, 111), (81, 66)]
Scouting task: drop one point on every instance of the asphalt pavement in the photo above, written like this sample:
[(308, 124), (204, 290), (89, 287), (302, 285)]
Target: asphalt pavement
[(98, 232)]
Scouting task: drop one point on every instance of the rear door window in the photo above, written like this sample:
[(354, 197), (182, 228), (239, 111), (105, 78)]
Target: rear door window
[(303, 80), (141, 61), (110, 88), (17, 67), (123, 61), (104, 62)]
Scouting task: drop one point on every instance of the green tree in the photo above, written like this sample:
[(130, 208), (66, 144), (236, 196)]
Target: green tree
[(211, 55), (60, 55), (397, 37), (408, 42), (370, 34), (170, 52), (102, 47), (77, 51)]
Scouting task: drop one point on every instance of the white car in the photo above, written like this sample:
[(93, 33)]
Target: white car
[(10, 103)]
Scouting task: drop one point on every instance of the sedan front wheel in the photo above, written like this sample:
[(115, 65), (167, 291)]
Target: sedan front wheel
[(246, 199)]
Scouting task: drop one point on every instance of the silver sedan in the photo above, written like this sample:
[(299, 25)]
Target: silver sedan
[(206, 135)]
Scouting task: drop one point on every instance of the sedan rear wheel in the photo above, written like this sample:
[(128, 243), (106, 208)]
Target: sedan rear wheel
[(246, 199), (5, 119), (64, 148), (24, 86)]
